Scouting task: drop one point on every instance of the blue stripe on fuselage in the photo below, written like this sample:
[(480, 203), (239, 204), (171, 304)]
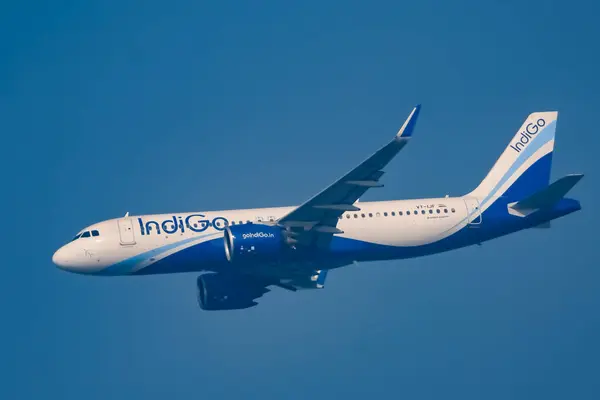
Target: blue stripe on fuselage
[(128, 265), (496, 221), (210, 255)]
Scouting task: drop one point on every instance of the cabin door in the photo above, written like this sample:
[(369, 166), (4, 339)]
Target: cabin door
[(126, 231)]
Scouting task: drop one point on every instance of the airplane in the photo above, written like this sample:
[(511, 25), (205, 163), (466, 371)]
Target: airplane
[(242, 254)]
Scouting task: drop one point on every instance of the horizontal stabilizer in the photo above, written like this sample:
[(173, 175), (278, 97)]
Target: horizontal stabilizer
[(546, 197)]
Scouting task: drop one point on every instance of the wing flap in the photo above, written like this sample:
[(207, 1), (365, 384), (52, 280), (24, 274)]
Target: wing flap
[(314, 281)]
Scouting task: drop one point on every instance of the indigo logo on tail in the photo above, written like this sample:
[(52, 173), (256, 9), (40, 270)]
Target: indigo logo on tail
[(527, 135)]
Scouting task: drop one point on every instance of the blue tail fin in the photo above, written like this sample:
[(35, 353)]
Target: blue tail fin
[(524, 167)]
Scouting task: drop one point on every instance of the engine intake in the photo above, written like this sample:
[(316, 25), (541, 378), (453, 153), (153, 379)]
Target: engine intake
[(252, 242), (227, 292)]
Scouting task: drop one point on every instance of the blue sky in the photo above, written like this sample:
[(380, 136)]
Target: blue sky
[(147, 107)]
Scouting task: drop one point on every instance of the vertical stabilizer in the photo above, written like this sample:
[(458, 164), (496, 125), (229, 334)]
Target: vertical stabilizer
[(524, 166)]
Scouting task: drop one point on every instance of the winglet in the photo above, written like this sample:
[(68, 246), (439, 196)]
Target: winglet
[(409, 125)]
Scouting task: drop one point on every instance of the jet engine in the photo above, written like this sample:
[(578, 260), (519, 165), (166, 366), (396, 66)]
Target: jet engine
[(253, 243), (228, 292)]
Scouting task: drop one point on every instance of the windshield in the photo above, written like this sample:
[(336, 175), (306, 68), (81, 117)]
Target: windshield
[(86, 234)]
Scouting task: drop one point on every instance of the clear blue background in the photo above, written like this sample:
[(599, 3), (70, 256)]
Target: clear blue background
[(148, 107)]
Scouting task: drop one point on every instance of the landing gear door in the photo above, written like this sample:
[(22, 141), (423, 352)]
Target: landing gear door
[(473, 211), (126, 231)]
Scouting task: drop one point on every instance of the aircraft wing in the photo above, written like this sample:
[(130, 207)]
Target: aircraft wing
[(234, 291), (314, 222)]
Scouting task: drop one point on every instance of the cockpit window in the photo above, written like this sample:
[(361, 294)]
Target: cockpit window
[(86, 234)]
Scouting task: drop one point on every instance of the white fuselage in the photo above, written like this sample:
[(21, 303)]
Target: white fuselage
[(403, 223)]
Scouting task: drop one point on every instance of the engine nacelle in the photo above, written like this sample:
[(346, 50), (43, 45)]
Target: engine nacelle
[(253, 243), (227, 292)]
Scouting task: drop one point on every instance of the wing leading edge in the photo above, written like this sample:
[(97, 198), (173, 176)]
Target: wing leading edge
[(315, 220)]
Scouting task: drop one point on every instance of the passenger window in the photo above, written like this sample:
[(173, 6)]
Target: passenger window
[(355, 215), (400, 213), (370, 215), (377, 214), (362, 215), (437, 211), (422, 211), (446, 210), (385, 214), (95, 233), (232, 222), (85, 234), (393, 213), (407, 213), (430, 211), (348, 216), (453, 210)]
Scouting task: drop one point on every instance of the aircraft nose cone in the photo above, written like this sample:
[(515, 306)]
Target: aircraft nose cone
[(60, 258), (75, 259)]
